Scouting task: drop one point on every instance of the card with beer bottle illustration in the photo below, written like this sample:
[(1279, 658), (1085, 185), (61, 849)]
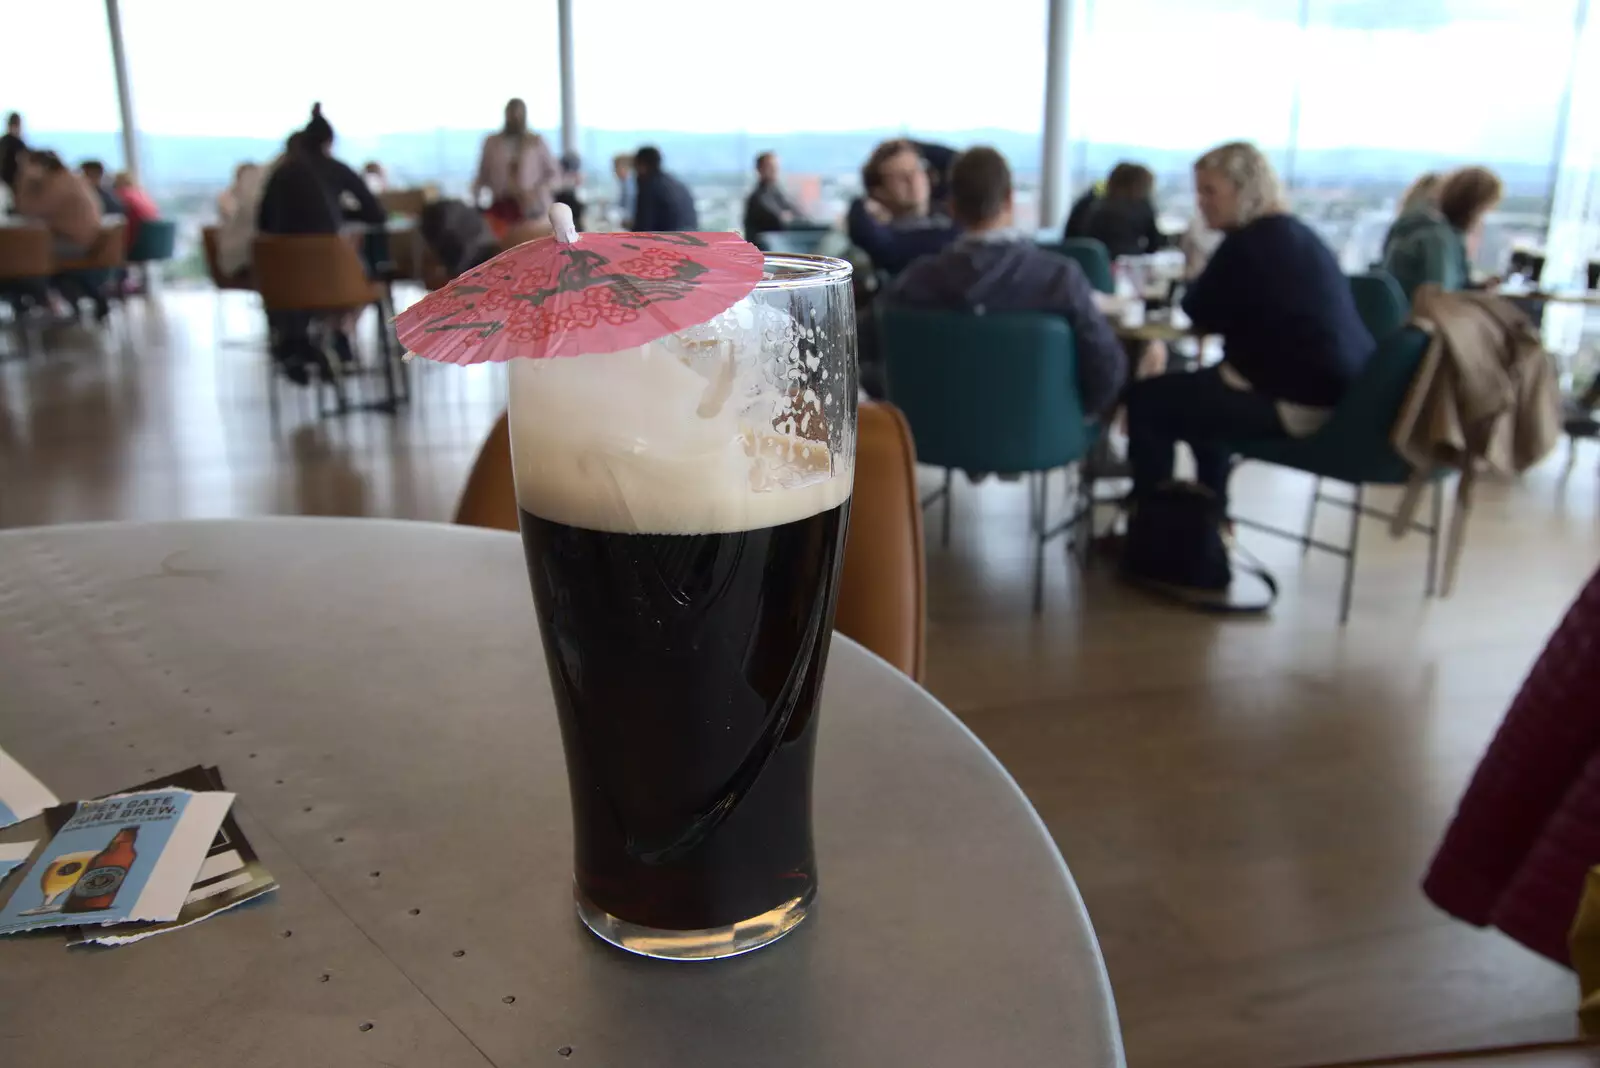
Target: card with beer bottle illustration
[(230, 875), (117, 859)]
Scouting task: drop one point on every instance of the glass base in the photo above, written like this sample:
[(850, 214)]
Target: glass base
[(708, 944)]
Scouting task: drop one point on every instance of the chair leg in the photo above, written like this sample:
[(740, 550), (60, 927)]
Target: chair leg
[(944, 532), (1311, 516), (1038, 571), (1432, 584), (1085, 533), (1350, 560), (272, 391)]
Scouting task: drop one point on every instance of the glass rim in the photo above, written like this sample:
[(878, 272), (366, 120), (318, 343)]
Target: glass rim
[(802, 270)]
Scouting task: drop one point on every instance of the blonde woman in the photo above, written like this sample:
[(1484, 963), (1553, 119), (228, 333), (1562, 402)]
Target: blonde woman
[(1420, 195), (1430, 243), (1292, 339)]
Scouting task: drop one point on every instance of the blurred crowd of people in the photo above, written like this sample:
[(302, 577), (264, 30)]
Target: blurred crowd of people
[(75, 207)]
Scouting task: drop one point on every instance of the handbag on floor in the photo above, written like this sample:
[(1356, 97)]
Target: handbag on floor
[(1176, 548)]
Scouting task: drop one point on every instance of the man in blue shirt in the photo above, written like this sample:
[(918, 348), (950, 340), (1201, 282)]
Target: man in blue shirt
[(892, 222)]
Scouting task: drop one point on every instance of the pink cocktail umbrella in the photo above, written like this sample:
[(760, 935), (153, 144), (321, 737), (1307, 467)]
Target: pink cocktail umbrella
[(572, 293)]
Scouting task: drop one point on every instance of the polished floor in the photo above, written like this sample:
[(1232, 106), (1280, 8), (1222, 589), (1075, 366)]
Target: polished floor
[(1248, 806)]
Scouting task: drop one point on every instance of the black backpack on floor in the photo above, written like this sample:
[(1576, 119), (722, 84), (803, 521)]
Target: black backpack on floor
[(1175, 548)]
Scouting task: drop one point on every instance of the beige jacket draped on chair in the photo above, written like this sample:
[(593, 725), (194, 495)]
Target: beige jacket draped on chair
[(1485, 397)]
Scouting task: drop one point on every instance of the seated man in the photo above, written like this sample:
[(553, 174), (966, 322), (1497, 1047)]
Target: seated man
[(892, 223), (994, 268), (662, 203), (94, 173), (768, 207)]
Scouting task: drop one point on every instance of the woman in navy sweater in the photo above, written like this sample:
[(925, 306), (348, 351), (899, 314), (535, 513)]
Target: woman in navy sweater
[(1292, 339)]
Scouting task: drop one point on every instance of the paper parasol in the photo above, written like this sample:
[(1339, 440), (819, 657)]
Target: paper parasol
[(572, 293)]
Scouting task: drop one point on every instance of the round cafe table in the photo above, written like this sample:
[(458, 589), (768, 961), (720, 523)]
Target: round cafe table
[(375, 693)]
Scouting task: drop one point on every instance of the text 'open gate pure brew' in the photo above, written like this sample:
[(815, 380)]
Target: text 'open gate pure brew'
[(684, 506)]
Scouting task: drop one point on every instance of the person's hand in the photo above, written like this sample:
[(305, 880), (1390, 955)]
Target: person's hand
[(878, 212)]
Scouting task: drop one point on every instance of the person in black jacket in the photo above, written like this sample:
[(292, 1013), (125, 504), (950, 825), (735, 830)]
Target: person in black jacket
[(12, 149), (1124, 217), (1292, 339), (311, 192), (661, 202), (768, 208)]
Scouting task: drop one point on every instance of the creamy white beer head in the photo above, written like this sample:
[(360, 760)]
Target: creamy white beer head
[(708, 431)]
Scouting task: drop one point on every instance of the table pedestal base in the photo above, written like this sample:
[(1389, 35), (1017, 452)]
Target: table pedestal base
[(708, 944)]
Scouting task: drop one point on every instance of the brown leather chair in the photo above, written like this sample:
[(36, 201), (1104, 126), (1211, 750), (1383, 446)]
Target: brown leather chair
[(109, 251), (882, 591), (321, 273), (25, 257), (25, 254), (413, 260), (489, 499), (208, 241), (404, 201)]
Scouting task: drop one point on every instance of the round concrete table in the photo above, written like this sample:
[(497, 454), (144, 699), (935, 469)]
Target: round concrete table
[(375, 693)]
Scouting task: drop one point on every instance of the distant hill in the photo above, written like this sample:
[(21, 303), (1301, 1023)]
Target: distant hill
[(446, 154)]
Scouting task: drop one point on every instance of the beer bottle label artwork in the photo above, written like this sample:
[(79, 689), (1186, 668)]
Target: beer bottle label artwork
[(131, 856)]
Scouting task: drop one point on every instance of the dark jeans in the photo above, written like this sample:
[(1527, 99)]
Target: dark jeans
[(1201, 410)]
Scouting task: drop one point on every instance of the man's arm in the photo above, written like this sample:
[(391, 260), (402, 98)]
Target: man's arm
[(368, 210), (1102, 363), (890, 249)]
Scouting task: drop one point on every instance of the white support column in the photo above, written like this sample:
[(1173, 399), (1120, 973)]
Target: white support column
[(119, 60), (569, 104), (1574, 235), (1054, 167)]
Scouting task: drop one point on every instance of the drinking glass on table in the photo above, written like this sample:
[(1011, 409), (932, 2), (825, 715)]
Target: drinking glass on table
[(683, 508)]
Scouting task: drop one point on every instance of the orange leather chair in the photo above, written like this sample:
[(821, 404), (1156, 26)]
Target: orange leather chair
[(404, 201), (109, 251), (322, 273), (25, 254), (208, 241), (882, 590)]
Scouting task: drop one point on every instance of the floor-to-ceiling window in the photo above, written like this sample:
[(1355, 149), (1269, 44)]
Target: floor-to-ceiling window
[(412, 85), (70, 108), (1388, 91), (1351, 99), (714, 82), (1160, 81)]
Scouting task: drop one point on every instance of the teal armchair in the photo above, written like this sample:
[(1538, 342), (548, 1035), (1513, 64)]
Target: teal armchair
[(1380, 302), (1354, 447), (1092, 256), (991, 393)]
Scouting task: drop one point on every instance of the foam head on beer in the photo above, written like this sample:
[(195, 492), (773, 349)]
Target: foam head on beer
[(716, 429)]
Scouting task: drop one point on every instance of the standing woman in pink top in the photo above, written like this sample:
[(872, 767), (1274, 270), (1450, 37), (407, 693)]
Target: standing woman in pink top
[(518, 170)]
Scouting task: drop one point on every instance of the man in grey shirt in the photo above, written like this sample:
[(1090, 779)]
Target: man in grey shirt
[(994, 268)]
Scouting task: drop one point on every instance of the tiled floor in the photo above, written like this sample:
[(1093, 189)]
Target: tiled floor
[(1248, 805)]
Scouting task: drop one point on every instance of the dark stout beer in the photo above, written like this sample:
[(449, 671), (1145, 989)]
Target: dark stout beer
[(686, 670)]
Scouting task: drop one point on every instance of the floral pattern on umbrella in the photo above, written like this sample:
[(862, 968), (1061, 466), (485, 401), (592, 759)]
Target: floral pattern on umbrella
[(600, 293)]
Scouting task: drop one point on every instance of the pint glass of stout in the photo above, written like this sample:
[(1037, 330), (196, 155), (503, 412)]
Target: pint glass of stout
[(683, 508)]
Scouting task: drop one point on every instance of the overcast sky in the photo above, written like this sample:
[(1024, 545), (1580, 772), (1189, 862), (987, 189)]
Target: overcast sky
[(1459, 76)]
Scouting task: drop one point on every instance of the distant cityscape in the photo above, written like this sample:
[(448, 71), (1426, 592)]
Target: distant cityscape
[(1348, 194)]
